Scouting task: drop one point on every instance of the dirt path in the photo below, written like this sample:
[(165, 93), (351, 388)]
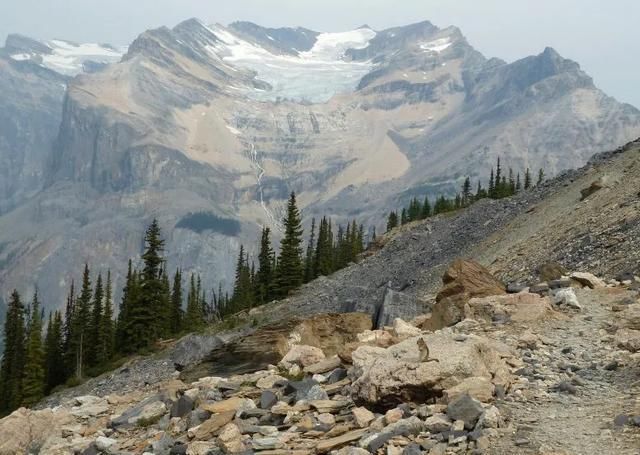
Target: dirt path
[(575, 390)]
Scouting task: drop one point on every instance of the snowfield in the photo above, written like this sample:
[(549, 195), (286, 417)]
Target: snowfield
[(437, 46), (314, 76)]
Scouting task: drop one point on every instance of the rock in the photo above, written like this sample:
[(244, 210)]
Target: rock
[(150, 410), (393, 415), (182, 407), (89, 406), (588, 279), (551, 271), (326, 445), (271, 381), (324, 365), (567, 297), (463, 281), (595, 186), (403, 330), (352, 451), (406, 427), (559, 284), (268, 399), (269, 443), (24, 429), (209, 428), (300, 388), (467, 409), (103, 444), (327, 419), (628, 339), (324, 406), (199, 448), (438, 423), (566, 387), (528, 340), (412, 449), (302, 356), (480, 388), (392, 376), (621, 420), (363, 416), (540, 289), (232, 404), (230, 439), (523, 307), (337, 375), (380, 338), (316, 393), (490, 418), (515, 288)]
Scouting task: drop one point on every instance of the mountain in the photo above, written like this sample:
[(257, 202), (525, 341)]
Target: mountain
[(208, 128)]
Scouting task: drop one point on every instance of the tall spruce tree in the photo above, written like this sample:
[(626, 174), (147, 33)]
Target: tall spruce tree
[(54, 353), (264, 276), (290, 273), (309, 260), (80, 340), (12, 365), (33, 384), (527, 179), (95, 329), (177, 313), (324, 249), (107, 333), (193, 319), (392, 221), (426, 208), (466, 192), (540, 176)]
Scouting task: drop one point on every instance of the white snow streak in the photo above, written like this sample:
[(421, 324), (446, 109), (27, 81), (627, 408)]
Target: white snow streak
[(437, 46)]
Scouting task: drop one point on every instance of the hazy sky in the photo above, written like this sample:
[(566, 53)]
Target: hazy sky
[(603, 36)]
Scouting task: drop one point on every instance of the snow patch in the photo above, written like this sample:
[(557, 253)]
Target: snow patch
[(69, 58), (233, 130), (20, 57), (333, 46), (437, 46)]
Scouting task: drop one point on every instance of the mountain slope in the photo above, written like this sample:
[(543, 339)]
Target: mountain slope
[(228, 120)]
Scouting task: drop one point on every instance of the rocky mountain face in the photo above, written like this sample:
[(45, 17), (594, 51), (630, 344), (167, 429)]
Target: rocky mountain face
[(226, 121)]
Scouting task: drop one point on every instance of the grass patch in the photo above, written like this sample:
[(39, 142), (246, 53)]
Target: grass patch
[(147, 422)]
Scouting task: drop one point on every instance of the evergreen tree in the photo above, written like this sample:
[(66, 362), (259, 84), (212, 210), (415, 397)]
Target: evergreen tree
[(69, 336), (309, 259), (54, 353), (243, 289), (492, 185), (95, 329), (540, 176), (324, 263), (290, 272), (12, 366), (518, 183), (527, 179), (33, 384), (499, 183), (123, 314), (392, 221), (404, 219), (264, 276), (193, 319), (512, 183), (176, 303), (466, 192), (80, 327), (106, 340), (426, 209)]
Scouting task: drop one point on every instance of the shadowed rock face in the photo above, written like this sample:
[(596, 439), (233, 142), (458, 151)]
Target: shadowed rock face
[(184, 125)]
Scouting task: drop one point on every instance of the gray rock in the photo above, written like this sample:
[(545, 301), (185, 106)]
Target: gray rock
[(316, 393), (559, 284), (182, 407), (412, 449), (515, 288), (337, 375), (179, 449), (467, 409), (268, 399), (541, 288), (621, 420)]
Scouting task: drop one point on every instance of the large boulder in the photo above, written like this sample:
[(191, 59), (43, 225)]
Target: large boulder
[(387, 377), (330, 332), (463, 281), (26, 431), (588, 279), (302, 355), (522, 307)]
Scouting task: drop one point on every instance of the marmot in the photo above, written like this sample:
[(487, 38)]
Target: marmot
[(424, 352)]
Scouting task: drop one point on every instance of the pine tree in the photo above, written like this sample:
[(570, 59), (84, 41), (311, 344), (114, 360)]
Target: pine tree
[(512, 183), (33, 384), (54, 353), (95, 328), (499, 183), (492, 185), (309, 259), (106, 341), (80, 326), (12, 366), (264, 276), (243, 290), (69, 336), (290, 272), (194, 318), (540, 176), (404, 219), (518, 183), (392, 221), (466, 192), (324, 262), (176, 303), (122, 323), (527, 179), (426, 209)]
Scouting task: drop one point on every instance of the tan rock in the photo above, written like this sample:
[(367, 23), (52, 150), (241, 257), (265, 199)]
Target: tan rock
[(25, 429), (306, 423), (324, 365), (209, 428), (330, 332), (327, 419), (403, 330), (302, 356), (528, 340), (396, 373), (380, 338), (232, 404), (628, 339), (480, 388), (393, 415), (363, 416), (588, 279), (335, 443), (230, 439), (522, 307), (323, 406), (269, 382), (200, 448)]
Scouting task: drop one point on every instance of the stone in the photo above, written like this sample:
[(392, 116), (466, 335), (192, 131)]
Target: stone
[(528, 340), (467, 409), (403, 330), (438, 423), (395, 375), (199, 448), (230, 439), (327, 445), (234, 404), (480, 388), (515, 288), (330, 332), (327, 419), (352, 451), (551, 271), (588, 279), (271, 381), (103, 444), (490, 418), (463, 281), (209, 428), (149, 410), (595, 186), (268, 399), (567, 296), (269, 443), (181, 407), (316, 393), (523, 307), (363, 416), (540, 289), (89, 406), (337, 375), (324, 365), (412, 449), (303, 356), (300, 388), (324, 406), (380, 338), (42, 426), (559, 284), (628, 339), (393, 415)]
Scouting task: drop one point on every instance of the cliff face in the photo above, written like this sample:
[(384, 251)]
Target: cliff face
[(227, 121)]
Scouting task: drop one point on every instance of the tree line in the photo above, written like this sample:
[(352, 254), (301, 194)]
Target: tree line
[(500, 186), (90, 335)]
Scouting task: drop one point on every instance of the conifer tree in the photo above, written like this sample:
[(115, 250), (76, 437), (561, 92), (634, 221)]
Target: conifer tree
[(176, 303), (69, 336), (518, 184), (95, 329), (243, 289), (54, 353), (309, 259), (264, 276), (426, 209), (527, 179), (123, 314), (404, 219), (499, 184), (290, 272), (194, 318), (540, 176), (324, 249), (492, 185), (106, 341), (512, 183), (80, 326), (466, 192), (33, 384), (12, 365), (392, 221)]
